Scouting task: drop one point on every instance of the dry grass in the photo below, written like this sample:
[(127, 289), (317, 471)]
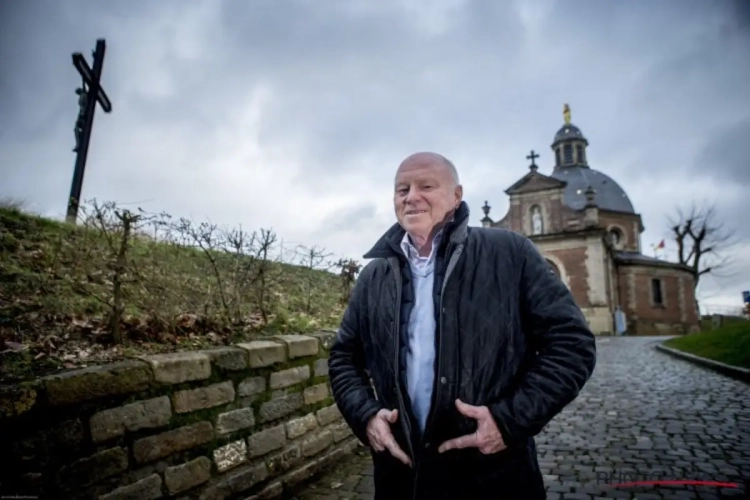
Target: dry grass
[(122, 283)]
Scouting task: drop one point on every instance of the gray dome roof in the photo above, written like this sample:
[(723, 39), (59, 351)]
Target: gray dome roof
[(609, 195), (568, 131)]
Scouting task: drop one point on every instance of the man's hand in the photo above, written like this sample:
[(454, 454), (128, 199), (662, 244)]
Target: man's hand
[(380, 435), (487, 436)]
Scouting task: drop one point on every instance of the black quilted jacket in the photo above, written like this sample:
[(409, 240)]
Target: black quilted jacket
[(510, 337)]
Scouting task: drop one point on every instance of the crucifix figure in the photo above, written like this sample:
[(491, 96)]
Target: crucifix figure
[(89, 94), (532, 157), (81, 120)]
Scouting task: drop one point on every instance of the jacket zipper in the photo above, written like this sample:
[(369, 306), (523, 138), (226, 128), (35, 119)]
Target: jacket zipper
[(402, 417), (451, 265)]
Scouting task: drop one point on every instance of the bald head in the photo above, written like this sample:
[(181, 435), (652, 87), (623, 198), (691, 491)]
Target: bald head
[(427, 193), (434, 159)]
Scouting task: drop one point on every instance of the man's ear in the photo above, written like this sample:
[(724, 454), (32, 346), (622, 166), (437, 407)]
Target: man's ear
[(459, 194)]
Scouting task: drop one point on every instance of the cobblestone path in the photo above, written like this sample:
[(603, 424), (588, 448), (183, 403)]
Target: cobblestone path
[(644, 416)]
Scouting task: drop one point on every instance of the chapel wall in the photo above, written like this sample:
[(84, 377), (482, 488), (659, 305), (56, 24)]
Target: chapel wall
[(675, 314), (629, 226)]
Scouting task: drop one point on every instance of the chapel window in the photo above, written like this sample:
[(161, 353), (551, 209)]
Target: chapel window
[(656, 292), (615, 237), (579, 154), (568, 154)]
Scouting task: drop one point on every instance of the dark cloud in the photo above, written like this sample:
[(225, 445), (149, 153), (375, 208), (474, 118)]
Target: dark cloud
[(725, 154), (294, 115)]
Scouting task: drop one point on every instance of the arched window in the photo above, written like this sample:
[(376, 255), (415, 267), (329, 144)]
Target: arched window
[(557, 157), (616, 237), (579, 154), (568, 154), (537, 221)]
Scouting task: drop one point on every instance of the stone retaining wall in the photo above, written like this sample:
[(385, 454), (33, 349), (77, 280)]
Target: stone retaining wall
[(246, 421)]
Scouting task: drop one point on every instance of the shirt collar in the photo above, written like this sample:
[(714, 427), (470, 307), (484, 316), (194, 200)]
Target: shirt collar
[(411, 251)]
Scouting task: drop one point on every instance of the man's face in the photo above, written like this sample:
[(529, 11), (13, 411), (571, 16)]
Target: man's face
[(425, 193)]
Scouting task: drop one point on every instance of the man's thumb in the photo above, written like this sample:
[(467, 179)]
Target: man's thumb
[(392, 416)]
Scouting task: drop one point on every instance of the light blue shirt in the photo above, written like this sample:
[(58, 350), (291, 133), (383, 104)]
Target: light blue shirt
[(420, 357)]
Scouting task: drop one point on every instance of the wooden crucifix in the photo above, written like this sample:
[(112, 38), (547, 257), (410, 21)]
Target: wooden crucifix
[(89, 94)]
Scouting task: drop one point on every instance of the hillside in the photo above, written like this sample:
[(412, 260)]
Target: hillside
[(124, 283)]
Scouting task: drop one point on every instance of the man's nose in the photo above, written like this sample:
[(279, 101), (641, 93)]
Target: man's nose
[(411, 196)]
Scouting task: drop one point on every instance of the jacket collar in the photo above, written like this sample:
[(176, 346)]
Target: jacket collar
[(389, 245)]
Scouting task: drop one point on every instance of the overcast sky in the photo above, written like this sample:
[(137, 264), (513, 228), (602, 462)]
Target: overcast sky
[(295, 114)]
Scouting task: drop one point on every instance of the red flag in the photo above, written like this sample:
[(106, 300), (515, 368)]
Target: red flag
[(661, 244)]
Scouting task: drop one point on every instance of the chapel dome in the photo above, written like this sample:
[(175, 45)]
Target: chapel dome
[(571, 166), (568, 131), (608, 194)]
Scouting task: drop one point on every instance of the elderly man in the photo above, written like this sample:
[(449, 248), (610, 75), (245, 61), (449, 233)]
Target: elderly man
[(458, 346)]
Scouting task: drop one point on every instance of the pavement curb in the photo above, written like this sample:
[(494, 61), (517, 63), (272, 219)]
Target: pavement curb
[(741, 374)]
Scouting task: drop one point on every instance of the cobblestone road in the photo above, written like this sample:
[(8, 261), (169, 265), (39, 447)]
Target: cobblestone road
[(643, 416)]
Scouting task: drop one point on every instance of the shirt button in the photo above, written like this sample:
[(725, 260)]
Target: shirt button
[(443, 380)]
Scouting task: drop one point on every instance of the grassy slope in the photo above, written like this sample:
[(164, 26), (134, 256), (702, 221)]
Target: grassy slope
[(55, 286), (729, 344)]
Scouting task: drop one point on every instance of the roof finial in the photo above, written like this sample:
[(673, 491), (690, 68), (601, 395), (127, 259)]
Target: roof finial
[(532, 157), (566, 113)]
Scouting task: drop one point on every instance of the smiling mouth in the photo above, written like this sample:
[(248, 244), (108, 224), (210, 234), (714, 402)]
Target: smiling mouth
[(416, 212)]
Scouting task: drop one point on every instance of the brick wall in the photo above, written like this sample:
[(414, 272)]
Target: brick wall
[(573, 263), (246, 421), (675, 315), (628, 224)]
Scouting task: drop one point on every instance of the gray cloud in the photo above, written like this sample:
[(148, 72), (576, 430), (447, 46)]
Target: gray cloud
[(295, 114)]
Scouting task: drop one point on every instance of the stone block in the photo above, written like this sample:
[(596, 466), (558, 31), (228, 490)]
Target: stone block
[(145, 414), (289, 377), (228, 358), (299, 426), (98, 466), (280, 407), (146, 489), (270, 492), (326, 338), (96, 382), (183, 477), (284, 460), (264, 353), (178, 367), (315, 394), (166, 443), (299, 346), (299, 475), (236, 482), (230, 455), (266, 441), (321, 367), (317, 443), (251, 386), (235, 420), (341, 431), (203, 397), (17, 399), (328, 415)]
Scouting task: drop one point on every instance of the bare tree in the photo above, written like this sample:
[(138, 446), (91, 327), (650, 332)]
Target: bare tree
[(350, 268), (703, 242), (117, 228), (313, 259)]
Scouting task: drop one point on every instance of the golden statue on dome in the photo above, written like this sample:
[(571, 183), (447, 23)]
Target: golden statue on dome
[(566, 113)]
